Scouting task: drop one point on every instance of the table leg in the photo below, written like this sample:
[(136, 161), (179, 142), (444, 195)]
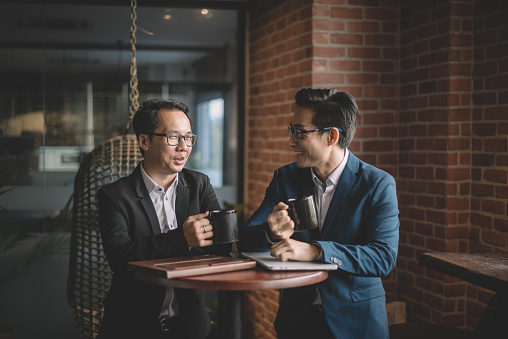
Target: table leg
[(492, 323), (230, 314)]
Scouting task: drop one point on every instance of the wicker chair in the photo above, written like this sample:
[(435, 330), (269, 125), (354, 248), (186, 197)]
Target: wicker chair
[(89, 273)]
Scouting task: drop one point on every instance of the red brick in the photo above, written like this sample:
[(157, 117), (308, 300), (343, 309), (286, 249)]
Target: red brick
[(485, 68), (329, 52), (363, 27), (320, 38), (325, 79), (459, 144), (380, 13), (460, 85), (495, 145), (328, 25), (380, 40), (380, 91), (364, 52), (501, 225), (454, 232), (484, 129), (499, 176), (494, 206), (320, 10), (378, 66), (344, 65), (363, 78), (458, 203), (496, 82), (346, 13), (346, 39), (493, 238)]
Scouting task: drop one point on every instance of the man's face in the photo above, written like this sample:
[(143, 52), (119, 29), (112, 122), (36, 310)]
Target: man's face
[(160, 158), (312, 150)]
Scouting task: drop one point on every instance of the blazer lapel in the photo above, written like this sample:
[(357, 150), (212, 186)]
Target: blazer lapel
[(345, 184), (182, 200), (145, 200)]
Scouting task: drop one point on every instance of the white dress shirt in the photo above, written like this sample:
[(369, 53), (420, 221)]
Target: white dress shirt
[(164, 204), (323, 195), (324, 191)]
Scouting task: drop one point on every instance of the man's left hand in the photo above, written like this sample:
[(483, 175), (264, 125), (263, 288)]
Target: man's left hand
[(197, 230), (290, 249)]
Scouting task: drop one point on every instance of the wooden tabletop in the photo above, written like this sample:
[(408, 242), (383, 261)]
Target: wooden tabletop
[(489, 270), (250, 279)]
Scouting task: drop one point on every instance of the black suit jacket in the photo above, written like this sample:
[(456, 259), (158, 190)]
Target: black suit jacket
[(130, 231)]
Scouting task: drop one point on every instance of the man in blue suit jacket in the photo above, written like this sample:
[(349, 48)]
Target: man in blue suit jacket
[(358, 224), (159, 211)]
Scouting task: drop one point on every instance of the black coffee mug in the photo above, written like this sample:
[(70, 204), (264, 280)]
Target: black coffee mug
[(302, 210), (225, 226)]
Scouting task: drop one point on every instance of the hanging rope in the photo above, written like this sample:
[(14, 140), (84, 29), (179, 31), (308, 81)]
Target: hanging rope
[(134, 92), (89, 276)]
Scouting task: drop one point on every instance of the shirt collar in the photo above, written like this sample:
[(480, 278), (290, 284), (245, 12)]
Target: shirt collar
[(334, 177), (152, 185)]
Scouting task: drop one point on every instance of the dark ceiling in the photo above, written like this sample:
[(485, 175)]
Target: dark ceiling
[(39, 35)]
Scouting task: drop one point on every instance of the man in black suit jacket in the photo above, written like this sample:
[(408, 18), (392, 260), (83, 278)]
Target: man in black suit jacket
[(159, 211)]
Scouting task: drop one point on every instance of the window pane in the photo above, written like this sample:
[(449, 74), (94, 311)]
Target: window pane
[(208, 155)]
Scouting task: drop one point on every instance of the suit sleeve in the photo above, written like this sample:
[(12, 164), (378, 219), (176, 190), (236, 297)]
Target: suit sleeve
[(253, 234), (376, 251), (123, 242)]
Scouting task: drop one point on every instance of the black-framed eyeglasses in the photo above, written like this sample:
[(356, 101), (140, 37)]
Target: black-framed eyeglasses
[(298, 133), (173, 139)]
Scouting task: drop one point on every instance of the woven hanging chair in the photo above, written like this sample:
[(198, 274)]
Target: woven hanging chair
[(89, 273)]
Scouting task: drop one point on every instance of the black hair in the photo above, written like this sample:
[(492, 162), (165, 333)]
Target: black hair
[(146, 118), (332, 108)]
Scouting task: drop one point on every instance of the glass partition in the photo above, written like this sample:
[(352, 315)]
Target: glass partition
[(65, 88)]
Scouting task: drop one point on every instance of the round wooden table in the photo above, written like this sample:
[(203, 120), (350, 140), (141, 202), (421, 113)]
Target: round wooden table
[(231, 286)]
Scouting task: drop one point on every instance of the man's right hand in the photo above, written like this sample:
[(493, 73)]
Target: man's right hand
[(281, 225)]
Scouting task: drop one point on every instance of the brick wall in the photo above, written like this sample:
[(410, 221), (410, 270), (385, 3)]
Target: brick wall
[(452, 146), (435, 153), (279, 63), (431, 80), (489, 132)]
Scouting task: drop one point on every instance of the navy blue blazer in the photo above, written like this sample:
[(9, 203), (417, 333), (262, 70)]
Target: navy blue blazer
[(130, 231), (360, 235)]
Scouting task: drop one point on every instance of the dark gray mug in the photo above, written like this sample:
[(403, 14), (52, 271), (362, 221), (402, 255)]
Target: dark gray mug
[(225, 226), (302, 211)]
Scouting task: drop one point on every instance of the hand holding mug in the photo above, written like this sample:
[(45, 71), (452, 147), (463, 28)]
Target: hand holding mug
[(197, 230), (280, 224)]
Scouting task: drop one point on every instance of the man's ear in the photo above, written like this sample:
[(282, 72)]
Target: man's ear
[(144, 142), (333, 136)]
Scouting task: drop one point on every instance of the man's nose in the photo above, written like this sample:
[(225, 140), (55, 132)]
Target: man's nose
[(292, 141), (182, 143)]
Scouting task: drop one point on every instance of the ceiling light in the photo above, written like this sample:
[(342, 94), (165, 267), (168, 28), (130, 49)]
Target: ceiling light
[(204, 11), (166, 16)]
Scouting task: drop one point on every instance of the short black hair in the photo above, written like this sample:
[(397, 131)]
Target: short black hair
[(332, 108), (146, 118)]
